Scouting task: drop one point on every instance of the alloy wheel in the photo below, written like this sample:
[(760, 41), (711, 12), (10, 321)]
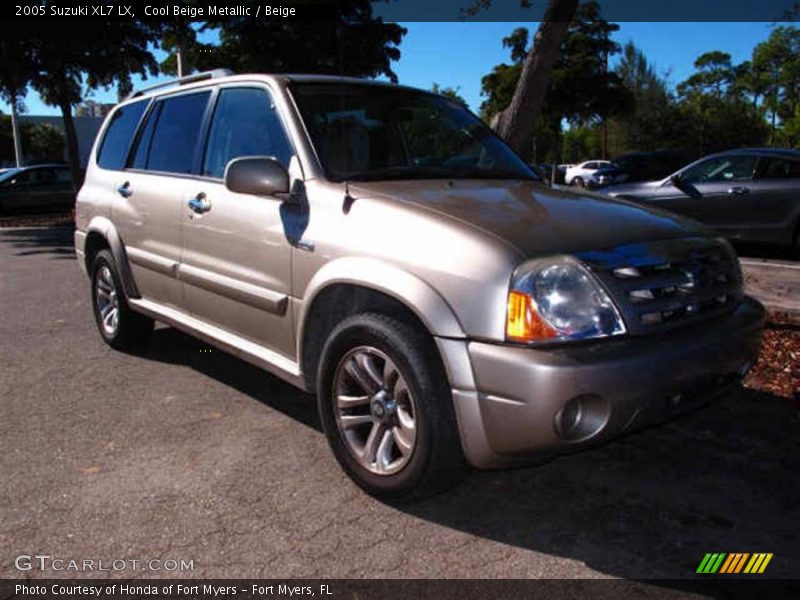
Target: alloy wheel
[(375, 410), (107, 300)]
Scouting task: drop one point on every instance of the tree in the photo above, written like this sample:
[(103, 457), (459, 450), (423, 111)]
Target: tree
[(715, 76), (518, 119), (652, 121), (714, 111), (581, 90), (449, 92), (778, 60), (57, 63), (354, 43), (42, 141)]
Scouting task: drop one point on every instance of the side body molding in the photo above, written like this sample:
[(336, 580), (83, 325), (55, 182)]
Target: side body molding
[(104, 227), (412, 291)]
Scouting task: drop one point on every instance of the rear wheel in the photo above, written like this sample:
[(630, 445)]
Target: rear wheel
[(387, 409), (796, 245), (578, 181), (119, 326)]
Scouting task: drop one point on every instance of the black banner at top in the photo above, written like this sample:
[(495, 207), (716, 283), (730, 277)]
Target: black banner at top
[(70, 11)]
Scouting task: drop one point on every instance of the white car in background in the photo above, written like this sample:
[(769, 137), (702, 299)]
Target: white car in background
[(578, 174)]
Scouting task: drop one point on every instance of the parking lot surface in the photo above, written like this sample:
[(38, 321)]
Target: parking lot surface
[(182, 452)]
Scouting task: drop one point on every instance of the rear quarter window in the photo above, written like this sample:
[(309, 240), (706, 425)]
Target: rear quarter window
[(117, 138)]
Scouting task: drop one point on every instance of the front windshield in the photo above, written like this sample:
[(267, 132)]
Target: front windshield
[(371, 133)]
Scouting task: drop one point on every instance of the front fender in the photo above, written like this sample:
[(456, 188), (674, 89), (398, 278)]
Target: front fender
[(431, 308)]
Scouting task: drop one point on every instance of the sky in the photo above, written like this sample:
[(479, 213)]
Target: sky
[(458, 55)]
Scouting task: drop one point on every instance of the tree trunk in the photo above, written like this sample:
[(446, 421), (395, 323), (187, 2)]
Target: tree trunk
[(518, 119), (73, 150)]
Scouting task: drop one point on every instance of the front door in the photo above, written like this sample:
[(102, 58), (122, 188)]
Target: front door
[(236, 260), (725, 201)]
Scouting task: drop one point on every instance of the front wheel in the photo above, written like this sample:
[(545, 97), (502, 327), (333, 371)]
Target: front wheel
[(387, 409)]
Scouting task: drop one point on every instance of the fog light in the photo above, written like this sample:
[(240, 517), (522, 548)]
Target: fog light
[(582, 417)]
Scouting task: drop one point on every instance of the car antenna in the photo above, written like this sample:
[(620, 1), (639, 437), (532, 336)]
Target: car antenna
[(348, 199)]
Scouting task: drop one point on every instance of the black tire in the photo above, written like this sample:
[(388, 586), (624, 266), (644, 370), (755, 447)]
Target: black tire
[(578, 181), (132, 330), (795, 250), (436, 462)]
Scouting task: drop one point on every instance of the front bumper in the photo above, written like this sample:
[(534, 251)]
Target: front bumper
[(524, 394)]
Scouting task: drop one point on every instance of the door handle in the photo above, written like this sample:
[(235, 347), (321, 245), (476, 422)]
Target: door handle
[(199, 204), (739, 190), (125, 190)]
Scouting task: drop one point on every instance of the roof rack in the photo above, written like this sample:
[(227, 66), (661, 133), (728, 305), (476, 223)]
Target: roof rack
[(214, 74)]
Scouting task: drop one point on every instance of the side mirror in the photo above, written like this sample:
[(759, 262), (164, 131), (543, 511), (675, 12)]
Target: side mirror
[(257, 175), (686, 187)]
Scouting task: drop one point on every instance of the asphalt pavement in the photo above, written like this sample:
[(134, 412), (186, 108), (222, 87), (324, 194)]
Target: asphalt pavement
[(182, 452)]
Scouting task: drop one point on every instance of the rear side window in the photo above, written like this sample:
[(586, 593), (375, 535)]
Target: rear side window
[(779, 168), (245, 123), (175, 132), (117, 139)]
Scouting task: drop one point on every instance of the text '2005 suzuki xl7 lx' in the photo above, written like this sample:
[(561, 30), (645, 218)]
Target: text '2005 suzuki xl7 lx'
[(380, 247)]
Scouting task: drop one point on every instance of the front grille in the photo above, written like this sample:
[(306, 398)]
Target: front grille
[(661, 285)]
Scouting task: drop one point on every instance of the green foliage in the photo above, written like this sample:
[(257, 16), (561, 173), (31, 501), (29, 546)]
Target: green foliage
[(777, 61), (651, 121), (449, 92), (721, 105), (582, 90), (40, 141), (356, 43), (58, 63)]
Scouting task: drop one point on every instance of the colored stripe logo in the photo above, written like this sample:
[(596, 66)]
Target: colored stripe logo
[(733, 563)]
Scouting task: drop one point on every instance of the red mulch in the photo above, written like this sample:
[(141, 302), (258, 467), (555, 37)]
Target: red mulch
[(778, 368)]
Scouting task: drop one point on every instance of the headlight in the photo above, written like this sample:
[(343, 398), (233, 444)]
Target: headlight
[(558, 299)]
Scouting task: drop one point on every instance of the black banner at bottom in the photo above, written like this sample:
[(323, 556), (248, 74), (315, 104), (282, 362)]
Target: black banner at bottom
[(393, 589)]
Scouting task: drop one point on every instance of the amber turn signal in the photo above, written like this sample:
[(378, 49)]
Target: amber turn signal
[(523, 323)]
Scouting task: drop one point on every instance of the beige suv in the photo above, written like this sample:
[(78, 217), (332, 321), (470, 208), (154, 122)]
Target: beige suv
[(380, 247)]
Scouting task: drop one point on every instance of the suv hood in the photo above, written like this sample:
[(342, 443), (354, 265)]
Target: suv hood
[(534, 218)]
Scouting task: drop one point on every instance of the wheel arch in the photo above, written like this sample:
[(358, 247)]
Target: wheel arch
[(351, 285), (101, 233)]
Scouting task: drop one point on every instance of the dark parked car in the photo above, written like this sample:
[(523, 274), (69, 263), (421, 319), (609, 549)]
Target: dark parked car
[(35, 188), (748, 195), (649, 166)]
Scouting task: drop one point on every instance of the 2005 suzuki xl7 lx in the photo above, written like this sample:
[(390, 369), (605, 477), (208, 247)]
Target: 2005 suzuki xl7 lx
[(380, 247)]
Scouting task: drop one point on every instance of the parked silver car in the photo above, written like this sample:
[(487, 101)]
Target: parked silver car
[(749, 195), (380, 247)]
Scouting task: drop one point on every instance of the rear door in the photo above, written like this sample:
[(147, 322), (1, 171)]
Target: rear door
[(776, 198), (236, 260), (148, 208)]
